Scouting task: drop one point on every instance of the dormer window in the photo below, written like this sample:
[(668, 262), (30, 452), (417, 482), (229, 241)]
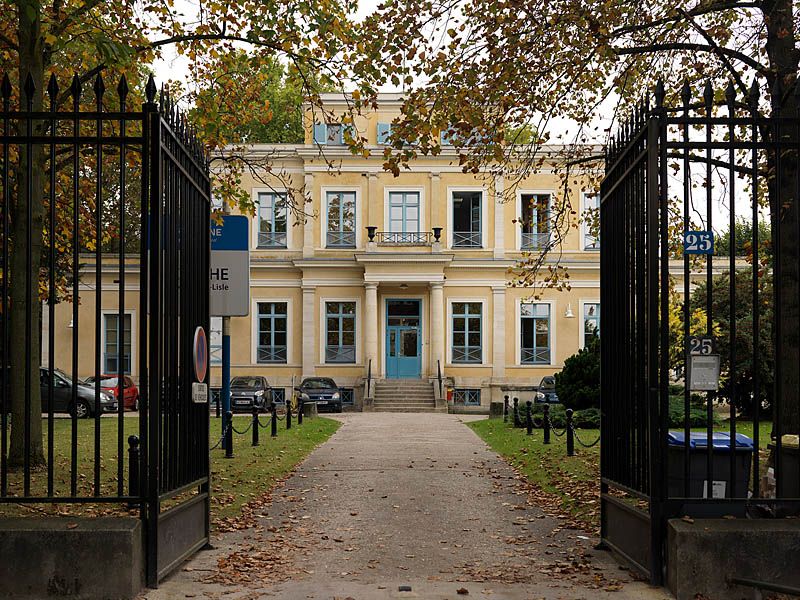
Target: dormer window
[(331, 134)]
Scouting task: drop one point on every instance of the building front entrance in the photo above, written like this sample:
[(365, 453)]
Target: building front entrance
[(403, 339)]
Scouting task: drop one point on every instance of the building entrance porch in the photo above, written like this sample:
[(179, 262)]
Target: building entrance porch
[(403, 339)]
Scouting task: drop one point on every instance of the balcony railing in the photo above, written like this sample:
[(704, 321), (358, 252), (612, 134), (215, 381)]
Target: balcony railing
[(272, 239), (463, 354), (341, 239), (408, 238), (271, 354), (340, 354), (535, 356), (535, 241), (466, 239)]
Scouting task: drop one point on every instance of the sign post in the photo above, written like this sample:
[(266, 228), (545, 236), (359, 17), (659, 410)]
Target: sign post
[(229, 296)]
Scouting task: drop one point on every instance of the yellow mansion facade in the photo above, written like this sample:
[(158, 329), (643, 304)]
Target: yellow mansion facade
[(398, 277)]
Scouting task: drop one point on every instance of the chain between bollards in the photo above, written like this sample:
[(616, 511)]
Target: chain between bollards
[(546, 424), (255, 424), (570, 438), (528, 418), (505, 408)]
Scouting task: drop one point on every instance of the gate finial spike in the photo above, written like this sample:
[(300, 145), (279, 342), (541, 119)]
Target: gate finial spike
[(755, 93), (99, 87), (122, 88), (5, 87), (29, 87), (52, 87), (76, 89), (660, 94), (686, 94), (730, 94), (708, 95), (150, 89)]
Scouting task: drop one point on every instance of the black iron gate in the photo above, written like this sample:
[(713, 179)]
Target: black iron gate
[(678, 296), (119, 201)]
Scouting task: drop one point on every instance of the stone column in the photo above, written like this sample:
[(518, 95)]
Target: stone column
[(310, 347), (499, 331), (371, 327), (499, 216), (308, 227), (437, 325)]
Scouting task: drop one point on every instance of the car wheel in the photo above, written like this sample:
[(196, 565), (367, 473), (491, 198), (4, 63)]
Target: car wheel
[(136, 404), (82, 410), (339, 408)]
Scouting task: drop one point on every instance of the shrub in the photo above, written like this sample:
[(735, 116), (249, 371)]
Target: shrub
[(578, 383)]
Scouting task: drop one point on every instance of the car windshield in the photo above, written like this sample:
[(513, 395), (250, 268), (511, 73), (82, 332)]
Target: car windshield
[(104, 381), (319, 384), (246, 382)]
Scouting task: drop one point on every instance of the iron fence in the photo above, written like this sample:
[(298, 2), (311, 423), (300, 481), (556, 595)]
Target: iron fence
[(683, 322)]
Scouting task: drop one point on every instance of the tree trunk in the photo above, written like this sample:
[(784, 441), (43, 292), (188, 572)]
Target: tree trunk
[(29, 200), (784, 211)]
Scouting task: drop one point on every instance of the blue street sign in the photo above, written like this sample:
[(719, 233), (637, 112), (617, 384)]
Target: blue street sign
[(698, 242), (231, 234)]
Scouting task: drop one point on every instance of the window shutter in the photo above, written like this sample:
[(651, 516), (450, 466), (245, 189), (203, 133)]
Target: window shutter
[(445, 139), (384, 130), (320, 133)]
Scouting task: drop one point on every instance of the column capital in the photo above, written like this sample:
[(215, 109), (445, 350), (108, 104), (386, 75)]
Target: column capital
[(499, 289), (436, 284), (308, 288), (434, 175), (371, 285)]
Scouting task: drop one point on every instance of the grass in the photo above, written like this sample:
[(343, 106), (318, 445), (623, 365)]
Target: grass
[(249, 474), (570, 485)]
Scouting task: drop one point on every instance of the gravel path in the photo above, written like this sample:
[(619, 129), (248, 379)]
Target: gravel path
[(397, 500)]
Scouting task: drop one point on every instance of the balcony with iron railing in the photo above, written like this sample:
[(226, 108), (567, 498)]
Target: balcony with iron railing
[(272, 239), (535, 241), (466, 239), (535, 356), (271, 354), (340, 239), (404, 238)]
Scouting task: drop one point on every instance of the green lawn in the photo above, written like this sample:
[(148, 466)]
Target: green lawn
[(249, 474), (568, 486)]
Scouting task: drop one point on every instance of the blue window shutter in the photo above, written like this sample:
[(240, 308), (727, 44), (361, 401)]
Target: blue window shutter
[(320, 133), (384, 130), (444, 138)]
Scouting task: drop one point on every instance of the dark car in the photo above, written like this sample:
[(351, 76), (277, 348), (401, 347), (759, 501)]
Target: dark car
[(110, 385), (547, 387), (323, 391), (62, 395), (250, 390)]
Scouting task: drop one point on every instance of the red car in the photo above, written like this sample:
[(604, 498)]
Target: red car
[(110, 385)]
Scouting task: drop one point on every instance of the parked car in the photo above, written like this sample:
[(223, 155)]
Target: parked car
[(323, 391), (547, 390), (110, 385), (249, 390), (62, 395)]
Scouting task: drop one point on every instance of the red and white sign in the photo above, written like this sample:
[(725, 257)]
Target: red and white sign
[(200, 354)]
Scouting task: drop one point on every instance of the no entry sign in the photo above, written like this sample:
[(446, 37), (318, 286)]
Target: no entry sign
[(230, 267)]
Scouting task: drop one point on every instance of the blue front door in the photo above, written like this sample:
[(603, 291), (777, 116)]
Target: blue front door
[(403, 339)]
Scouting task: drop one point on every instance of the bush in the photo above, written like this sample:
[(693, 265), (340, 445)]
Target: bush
[(578, 383), (588, 418)]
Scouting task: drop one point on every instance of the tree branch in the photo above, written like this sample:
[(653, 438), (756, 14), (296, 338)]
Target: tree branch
[(8, 42), (695, 12), (693, 47), (64, 24)]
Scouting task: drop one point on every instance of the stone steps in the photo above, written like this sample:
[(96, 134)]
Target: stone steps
[(404, 396)]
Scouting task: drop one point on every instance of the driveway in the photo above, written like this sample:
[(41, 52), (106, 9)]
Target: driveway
[(399, 502)]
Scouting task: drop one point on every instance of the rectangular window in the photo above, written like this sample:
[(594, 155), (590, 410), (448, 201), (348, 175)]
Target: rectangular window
[(340, 332), (535, 329), (111, 349), (467, 319), (333, 134), (467, 219), (591, 221), (535, 221), (215, 341), (341, 219), (272, 219), (591, 321), (272, 332), (384, 132), (347, 395), (467, 396), (279, 395), (404, 212)]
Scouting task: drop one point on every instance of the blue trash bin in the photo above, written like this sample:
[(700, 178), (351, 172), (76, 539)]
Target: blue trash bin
[(698, 464)]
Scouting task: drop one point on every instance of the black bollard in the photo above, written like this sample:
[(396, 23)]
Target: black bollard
[(516, 413), (546, 423), (133, 466), (570, 438), (274, 421), (505, 408), (288, 414), (229, 435), (255, 424), (299, 412), (528, 417)]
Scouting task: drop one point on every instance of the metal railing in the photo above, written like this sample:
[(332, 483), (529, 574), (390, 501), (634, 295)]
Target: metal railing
[(271, 354), (466, 239), (408, 238), (535, 241), (340, 354), (439, 378), (272, 239), (341, 239), (369, 378), (462, 354), (535, 356)]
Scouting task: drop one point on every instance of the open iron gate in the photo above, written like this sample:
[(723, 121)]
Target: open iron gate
[(118, 192), (676, 176)]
